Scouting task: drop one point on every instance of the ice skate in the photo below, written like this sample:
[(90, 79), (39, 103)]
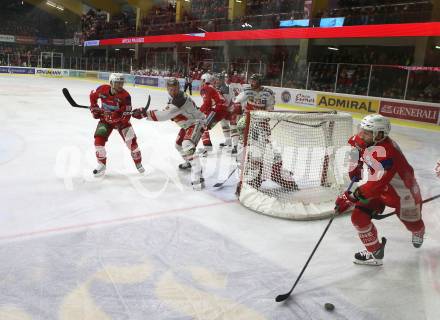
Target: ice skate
[(371, 258), (100, 170), (417, 238)]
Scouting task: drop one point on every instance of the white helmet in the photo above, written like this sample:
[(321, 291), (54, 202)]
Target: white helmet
[(376, 123), (207, 77), (116, 77)]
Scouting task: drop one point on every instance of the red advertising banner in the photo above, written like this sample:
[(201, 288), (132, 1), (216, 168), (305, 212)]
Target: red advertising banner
[(408, 111), (426, 29)]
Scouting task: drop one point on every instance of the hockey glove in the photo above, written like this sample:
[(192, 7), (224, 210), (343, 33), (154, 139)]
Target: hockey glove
[(344, 202), (96, 112), (139, 113), (356, 173), (357, 142)]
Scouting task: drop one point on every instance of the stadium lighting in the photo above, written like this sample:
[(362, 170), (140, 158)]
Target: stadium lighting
[(333, 48), (437, 47), (54, 5), (116, 49)]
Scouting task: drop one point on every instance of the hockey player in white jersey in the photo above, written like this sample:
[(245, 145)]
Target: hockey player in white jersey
[(184, 112), (229, 125), (255, 97)]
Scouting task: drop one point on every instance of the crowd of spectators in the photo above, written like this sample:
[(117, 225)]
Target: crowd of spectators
[(212, 15), (262, 7), (208, 9), (22, 19), (380, 12), (23, 55), (98, 25)]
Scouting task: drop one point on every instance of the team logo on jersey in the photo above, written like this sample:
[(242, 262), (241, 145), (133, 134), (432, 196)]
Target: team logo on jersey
[(285, 96)]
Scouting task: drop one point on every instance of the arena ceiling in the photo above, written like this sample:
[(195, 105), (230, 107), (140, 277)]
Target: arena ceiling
[(75, 6)]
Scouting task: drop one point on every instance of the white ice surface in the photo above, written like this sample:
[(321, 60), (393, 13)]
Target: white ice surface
[(148, 247)]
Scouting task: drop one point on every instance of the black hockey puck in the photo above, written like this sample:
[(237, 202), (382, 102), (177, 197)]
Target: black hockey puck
[(329, 306)]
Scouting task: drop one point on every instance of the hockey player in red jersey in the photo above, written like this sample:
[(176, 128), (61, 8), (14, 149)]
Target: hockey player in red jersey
[(391, 182), (183, 111), (213, 106), (113, 114)]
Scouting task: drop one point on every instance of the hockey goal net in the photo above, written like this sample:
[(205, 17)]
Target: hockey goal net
[(292, 165)]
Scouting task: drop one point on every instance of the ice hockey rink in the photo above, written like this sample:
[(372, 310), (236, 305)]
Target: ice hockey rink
[(133, 246)]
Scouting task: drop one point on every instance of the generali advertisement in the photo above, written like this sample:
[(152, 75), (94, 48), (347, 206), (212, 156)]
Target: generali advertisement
[(347, 103), (408, 111)]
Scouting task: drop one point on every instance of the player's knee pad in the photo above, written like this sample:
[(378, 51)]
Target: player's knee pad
[(188, 147), (360, 219), (136, 155), (127, 133), (410, 213), (132, 144), (178, 147), (101, 154)]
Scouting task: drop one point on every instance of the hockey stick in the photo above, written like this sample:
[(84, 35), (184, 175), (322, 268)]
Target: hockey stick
[(220, 184), (73, 103), (283, 297), (383, 216)]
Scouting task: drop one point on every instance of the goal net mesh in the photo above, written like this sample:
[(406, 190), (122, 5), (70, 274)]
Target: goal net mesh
[(294, 163)]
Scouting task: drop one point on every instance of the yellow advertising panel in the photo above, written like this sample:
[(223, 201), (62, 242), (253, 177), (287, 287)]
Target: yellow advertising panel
[(349, 104)]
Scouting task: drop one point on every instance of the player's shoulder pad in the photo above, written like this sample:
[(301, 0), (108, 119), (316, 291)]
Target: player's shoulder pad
[(103, 87), (125, 92), (247, 87), (179, 100), (268, 90)]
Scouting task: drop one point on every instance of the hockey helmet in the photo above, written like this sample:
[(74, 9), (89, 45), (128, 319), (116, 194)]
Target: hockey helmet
[(257, 77), (173, 82), (376, 123), (207, 78), (116, 77)]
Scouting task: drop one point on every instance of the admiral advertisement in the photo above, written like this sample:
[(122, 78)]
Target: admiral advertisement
[(295, 97), (17, 70), (407, 111), (348, 103), (147, 81), (52, 73)]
